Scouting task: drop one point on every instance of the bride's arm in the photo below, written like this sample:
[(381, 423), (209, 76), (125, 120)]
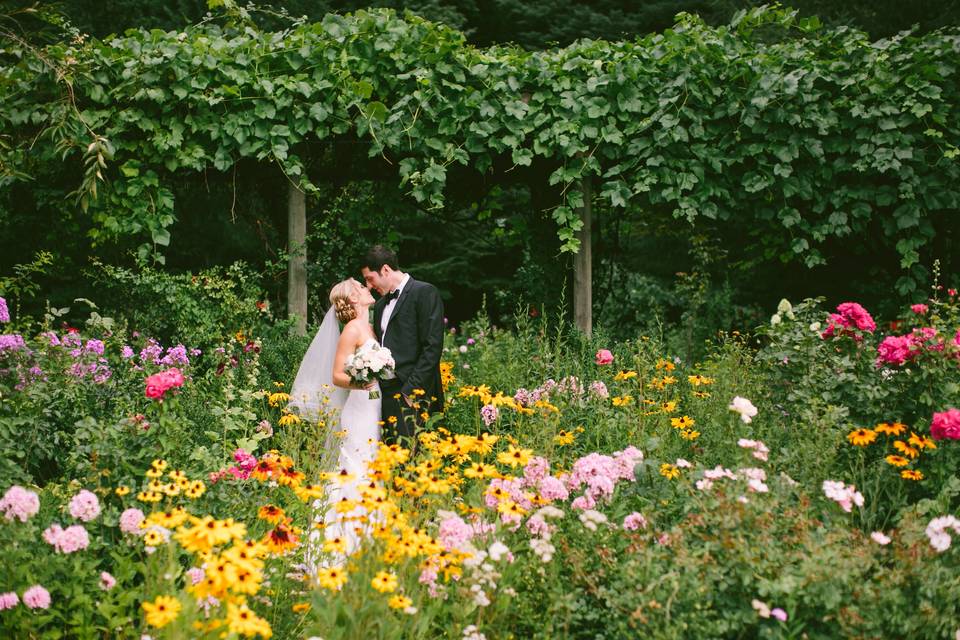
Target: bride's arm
[(345, 346)]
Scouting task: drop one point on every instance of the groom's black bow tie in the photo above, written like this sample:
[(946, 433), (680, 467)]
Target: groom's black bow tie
[(393, 295)]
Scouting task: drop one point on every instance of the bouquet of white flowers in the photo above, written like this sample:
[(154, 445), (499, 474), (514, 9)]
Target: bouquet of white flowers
[(368, 363)]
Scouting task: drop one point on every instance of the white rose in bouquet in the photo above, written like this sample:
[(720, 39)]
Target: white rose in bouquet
[(368, 363)]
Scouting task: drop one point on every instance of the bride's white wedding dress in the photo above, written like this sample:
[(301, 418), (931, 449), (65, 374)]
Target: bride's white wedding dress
[(349, 445), (360, 426)]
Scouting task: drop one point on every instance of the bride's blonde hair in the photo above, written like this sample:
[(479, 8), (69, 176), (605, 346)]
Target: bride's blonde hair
[(342, 297)]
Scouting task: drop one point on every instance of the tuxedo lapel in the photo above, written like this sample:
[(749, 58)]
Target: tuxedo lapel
[(404, 296), (377, 315)]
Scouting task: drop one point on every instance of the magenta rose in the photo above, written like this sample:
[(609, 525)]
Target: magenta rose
[(946, 425)]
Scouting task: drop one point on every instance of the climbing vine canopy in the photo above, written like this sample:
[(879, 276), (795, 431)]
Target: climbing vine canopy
[(807, 134)]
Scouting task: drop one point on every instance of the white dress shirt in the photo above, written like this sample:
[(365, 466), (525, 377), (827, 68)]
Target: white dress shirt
[(388, 310)]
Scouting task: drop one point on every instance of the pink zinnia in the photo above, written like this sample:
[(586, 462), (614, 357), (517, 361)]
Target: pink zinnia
[(946, 425), (130, 521), (36, 597), (8, 600), (19, 503), (84, 506), (603, 357)]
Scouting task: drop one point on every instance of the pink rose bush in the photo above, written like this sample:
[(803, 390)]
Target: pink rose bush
[(849, 316), (603, 357), (159, 383), (946, 425)]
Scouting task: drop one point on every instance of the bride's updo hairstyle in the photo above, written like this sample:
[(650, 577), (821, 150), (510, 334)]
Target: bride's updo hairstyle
[(342, 297)]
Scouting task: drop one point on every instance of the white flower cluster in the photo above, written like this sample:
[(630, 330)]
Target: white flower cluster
[(937, 532), (368, 362), (591, 518)]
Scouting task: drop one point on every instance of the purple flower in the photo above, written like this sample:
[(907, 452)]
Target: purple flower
[(84, 506), (11, 342), (36, 597), (4, 317), (127, 352), (779, 614), (94, 346), (19, 503)]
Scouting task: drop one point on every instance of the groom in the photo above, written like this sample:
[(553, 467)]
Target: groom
[(408, 320)]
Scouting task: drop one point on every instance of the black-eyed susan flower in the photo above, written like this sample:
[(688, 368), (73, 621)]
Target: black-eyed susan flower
[(242, 621), (332, 578), (288, 419), (301, 607), (281, 539), (563, 438), (905, 449), (861, 437), (897, 461), (122, 490), (890, 428), (335, 545), (399, 602), (271, 513), (683, 422), (515, 456), (384, 582), (689, 434), (698, 380), (278, 399), (195, 489), (911, 474), (669, 471), (621, 401), (921, 442), (162, 611)]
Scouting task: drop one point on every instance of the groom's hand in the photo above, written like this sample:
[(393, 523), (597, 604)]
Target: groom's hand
[(408, 400)]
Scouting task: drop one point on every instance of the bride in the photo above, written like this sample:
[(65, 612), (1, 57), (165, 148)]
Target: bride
[(322, 384)]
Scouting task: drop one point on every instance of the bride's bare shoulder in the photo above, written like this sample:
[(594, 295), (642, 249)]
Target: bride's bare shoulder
[(356, 330)]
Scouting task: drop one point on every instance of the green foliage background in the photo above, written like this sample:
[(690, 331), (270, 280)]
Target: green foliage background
[(775, 141)]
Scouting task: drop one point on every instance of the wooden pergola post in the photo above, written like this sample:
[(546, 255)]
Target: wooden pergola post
[(583, 267)]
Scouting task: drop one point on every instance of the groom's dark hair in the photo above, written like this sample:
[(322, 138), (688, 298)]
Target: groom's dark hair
[(379, 255)]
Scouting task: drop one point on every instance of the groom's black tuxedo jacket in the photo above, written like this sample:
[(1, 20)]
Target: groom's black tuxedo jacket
[(415, 338)]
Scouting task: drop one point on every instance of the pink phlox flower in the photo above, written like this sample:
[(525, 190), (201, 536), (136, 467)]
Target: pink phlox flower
[(536, 470), (552, 488), (36, 597), (19, 503), (8, 600), (945, 425), (107, 581), (583, 502), (625, 461), (489, 414), (704, 484), (570, 385), (69, 540), (4, 313), (537, 526), (454, 532), (175, 355), (634, 521), (718, 472), (84, 506), (682, 464), (844, 495), (196, 575), (130, 521), (599, 389), (522, 397)]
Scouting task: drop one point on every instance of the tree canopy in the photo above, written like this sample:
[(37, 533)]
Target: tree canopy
[(790, 134)]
